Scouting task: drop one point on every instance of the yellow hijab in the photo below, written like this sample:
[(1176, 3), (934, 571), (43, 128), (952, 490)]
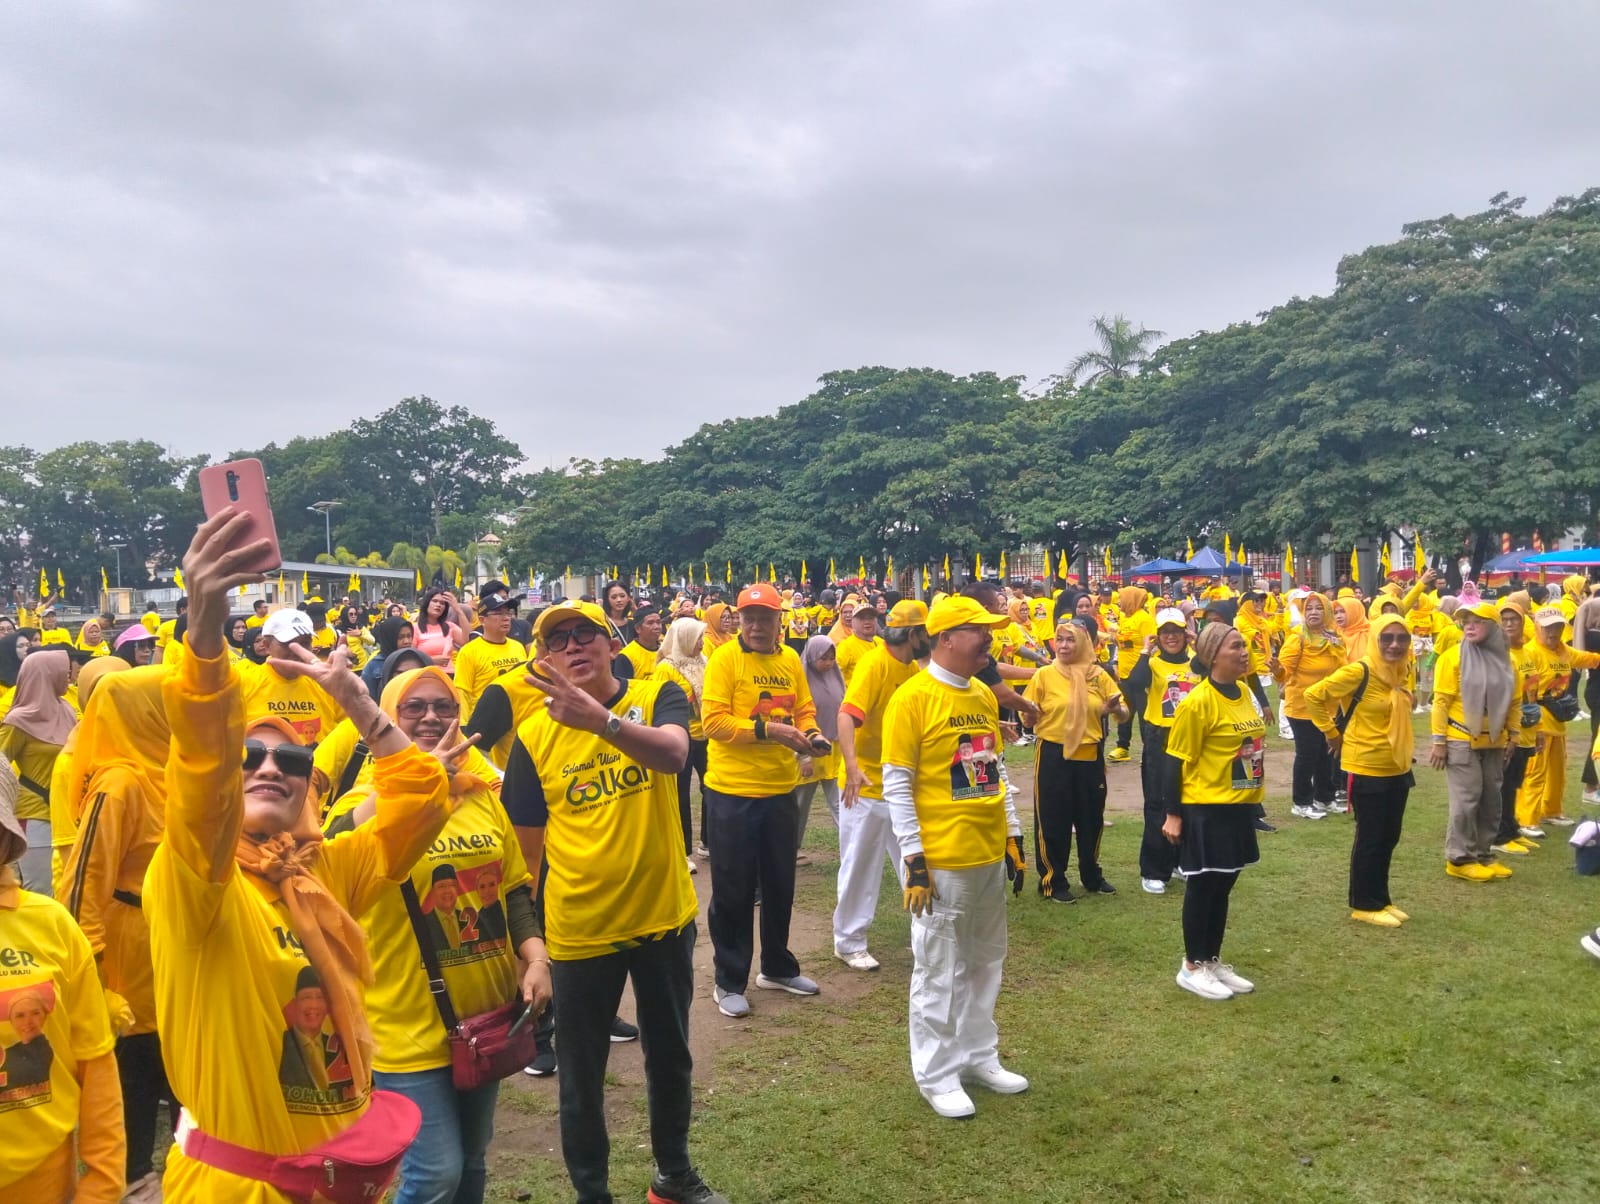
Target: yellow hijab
[(1076, 671), (1401, 679), (715, 637)]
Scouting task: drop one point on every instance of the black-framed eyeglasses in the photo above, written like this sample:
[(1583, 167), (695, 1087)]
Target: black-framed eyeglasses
[(582, 635), (416, 708), (292, 760)]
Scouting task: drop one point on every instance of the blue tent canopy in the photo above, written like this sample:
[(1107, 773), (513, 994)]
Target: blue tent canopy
[(1158, 566), (1582, 558), (1508, 562), (1209, 560)]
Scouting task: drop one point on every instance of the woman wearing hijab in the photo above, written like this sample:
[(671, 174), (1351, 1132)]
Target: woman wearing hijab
[(1474, 722), (57, 1073), (119, 755), (1355, 631), (1310, 654), (1216, 779), (13, 648), (1374, 746), (66, 787), (391, 635), (683, 660), (722, 623), (1074, 696), (92, 638), (821, 661), (32, 735), (236, 631), (1165, 675), (259, 961), (488, 924)]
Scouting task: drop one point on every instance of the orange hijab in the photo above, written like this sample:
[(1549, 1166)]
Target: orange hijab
[(1357, 632), (332, 940), (715, 637)]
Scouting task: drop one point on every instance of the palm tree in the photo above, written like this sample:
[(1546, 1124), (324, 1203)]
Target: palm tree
[(1122, 349)]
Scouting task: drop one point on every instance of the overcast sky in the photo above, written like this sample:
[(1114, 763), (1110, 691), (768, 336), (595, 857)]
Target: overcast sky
[(602, 224)]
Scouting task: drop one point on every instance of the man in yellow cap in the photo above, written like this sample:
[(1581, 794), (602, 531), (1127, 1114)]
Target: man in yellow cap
[(866, 835), (757, 713), (960, 839)]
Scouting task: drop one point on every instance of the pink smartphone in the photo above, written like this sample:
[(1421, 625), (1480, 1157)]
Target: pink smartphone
[(242, 484)]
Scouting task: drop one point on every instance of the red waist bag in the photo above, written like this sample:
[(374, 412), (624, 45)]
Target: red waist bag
[(356, 1167)]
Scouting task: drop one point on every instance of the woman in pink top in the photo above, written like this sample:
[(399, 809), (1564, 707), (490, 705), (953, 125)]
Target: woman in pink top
[(441, 628)]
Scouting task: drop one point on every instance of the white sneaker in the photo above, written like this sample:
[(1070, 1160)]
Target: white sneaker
[(1532, 832), (1236, 983), (952, 1105), (1309, 811), (1338, 807), (1153, 886), (1591, 798), (996, 1078), (693, 868), (1591, 942), (1202, 982), (859, 960), (1560, 821)]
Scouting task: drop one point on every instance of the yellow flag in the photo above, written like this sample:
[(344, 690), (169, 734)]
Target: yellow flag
[(280, 584), (1227, 548), (61, 582), (691, 572), (1422, 559), (927, 580), (530, 576), (241, 588), (889, 569), (104, 584), (705, 566), (1355, 566), (177, 578), (730, 573), (505, 577), (44, 584), (1383, 558), (1288, 560), (305, 585), (663, 576), (833, 574), (418, 585), (947, 566), (568, 572), (458, 576), (803, 572), (772, 574), (1108, 560), (1061, 565), (977, 567), (1241, 554), (862, 572), (1002, 564), (1188, 549)]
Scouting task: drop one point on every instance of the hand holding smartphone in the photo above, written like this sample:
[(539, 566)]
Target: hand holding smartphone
[(242, 484)]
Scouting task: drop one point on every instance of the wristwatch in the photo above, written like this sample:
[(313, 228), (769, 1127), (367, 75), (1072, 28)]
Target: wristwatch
[(613, 726)]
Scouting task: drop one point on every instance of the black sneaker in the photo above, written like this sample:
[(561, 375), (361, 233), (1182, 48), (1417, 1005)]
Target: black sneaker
[(543, 1064), (687, 1188), (1064, 895), (622, 1031), (1105, 888), (1263, 826)]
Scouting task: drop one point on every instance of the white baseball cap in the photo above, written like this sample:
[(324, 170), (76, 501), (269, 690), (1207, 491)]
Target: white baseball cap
[(286, 626), (1170, 616)]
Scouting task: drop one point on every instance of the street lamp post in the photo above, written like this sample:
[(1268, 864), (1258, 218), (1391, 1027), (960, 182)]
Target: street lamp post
[(117, 548), (326, 510)]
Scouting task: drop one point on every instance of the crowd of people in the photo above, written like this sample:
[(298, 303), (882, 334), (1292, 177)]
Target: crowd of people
[(316, 879)]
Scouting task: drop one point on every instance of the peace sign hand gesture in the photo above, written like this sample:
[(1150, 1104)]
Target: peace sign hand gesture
[(567, 704)]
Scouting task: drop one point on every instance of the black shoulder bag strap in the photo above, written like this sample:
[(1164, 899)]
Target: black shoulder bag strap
[(1342, 719), (430, 963), (352, 769)]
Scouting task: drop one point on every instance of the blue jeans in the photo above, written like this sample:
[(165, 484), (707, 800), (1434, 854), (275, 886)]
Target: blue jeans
[(445, 1163)]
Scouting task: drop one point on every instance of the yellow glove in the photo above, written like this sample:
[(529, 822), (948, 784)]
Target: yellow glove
[(1016, 863), (121, 1014), (920, 892)]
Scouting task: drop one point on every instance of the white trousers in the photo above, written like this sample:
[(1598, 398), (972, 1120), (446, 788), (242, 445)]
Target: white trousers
[(958, 952), (866, 837)]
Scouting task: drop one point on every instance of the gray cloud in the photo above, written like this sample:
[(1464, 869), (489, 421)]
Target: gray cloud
[(602, 225)]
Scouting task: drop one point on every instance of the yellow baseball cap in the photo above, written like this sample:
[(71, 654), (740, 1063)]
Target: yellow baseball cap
[(1480, 610), (950, 613), (907, 613), (572, 608)]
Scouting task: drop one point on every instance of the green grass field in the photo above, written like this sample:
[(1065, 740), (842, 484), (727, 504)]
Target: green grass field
[(1452, 1060)]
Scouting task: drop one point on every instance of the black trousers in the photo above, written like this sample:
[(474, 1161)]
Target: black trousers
[(1510, 783), (1069, 798), (1378, 806), (1591, 702), (1205, 914), (587, 992), (144, 1084), (752, 843), (695, 764), (1136, 700), (1158, 856), (1312, 776)]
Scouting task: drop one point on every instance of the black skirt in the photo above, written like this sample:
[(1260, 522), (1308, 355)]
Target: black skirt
[(1218, 838)]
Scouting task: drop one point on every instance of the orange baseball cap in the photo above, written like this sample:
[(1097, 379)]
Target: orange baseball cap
[(759, 595)]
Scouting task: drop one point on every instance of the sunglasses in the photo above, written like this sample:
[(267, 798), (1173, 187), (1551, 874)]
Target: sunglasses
[(582, 635), (292, 760), (1394, 639), (416, 708)]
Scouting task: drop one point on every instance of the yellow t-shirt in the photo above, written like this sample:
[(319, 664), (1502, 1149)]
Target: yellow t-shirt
[(1555, 668), (949, 739), (36, 762), (304, 704), (1525, 664), (640, 657), (741, 687), (461, 882), (797, 623), (1219, 741), (1043, 628), (245, 1031), (1450, 721), (851, 653), (613, 842), (478, 663), (164, 634), (53, 1019), (55, 637), (1300, 665), (1049, 688), (1170, 683), (1131, 632), (1446, 636), (867, 697), (151, 622)]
